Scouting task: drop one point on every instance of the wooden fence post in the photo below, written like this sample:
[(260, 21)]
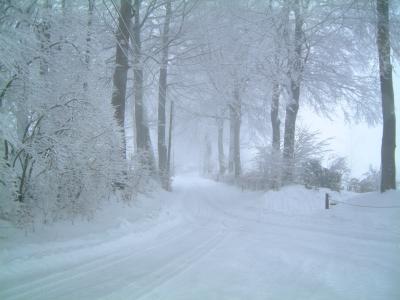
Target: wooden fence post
[(326, 201)]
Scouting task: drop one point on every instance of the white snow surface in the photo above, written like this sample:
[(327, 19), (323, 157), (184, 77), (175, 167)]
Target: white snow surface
[(206, 240)]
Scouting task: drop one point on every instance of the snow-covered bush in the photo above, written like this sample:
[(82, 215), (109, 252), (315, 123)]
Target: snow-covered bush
[(312, 173), (141, 175), (370, 182), (269, 167), (316, 176), (309, 148)]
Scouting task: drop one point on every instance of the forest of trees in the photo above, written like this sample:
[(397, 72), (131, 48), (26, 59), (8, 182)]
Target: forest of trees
[(92, 91)]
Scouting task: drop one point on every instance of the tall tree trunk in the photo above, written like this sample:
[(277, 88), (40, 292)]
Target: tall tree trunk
[(388, 164), (207, 167), (289, 136), (275, 121), (89, 30), (44, 37), (143, 141), (221, 155), (231, 139), (121, 66), (276, 137), (63, 22), (162, 96), (237, 108), (236, 152), (292, 107), (88, 41), (171, 119)]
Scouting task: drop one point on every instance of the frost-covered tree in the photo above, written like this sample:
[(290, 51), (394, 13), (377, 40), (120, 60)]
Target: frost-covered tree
[(321, 74), (172, 24), (60, 156), (162, 96), (120, 76), (143, 139)]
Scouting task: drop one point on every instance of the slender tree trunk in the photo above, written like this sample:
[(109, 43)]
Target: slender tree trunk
[(237, 162), (63, 12), (44, 37), (121, 66), (88, 41), (143, 141), (89, 30), (138, 79), (231, 139), (171, 116), (276, 137), (275, 121), (289, 137), (207, 167), (6, 152), (292, 107), (221, 155), (388, 164), (2, 95), (162, 148), (22, 180), (237, 108), (162, 96)]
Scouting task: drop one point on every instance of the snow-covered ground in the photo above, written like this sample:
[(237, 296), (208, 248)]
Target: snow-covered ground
[(206, 241)]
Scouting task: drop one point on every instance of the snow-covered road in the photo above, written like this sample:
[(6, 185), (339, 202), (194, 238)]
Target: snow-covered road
[(211, 241)]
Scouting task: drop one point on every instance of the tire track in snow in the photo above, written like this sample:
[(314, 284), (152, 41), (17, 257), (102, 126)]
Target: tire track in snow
[(147, 284), (100, 263), (169, 267)]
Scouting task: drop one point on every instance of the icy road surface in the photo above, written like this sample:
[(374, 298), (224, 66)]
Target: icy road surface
[(209, 241)]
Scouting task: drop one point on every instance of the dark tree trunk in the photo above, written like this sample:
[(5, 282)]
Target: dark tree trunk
[(231, 139), (138, 80), (88, 41), (44, 37), (237, 109), (221, 155), (121, 66), (162, 97), (275, 122), (63, 12), (171, 119), (162, 148), (388, 164), (207, 167), (292, 107), (289, 137), (143, 141), (236, 152), (89, 31), (276, 138)]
